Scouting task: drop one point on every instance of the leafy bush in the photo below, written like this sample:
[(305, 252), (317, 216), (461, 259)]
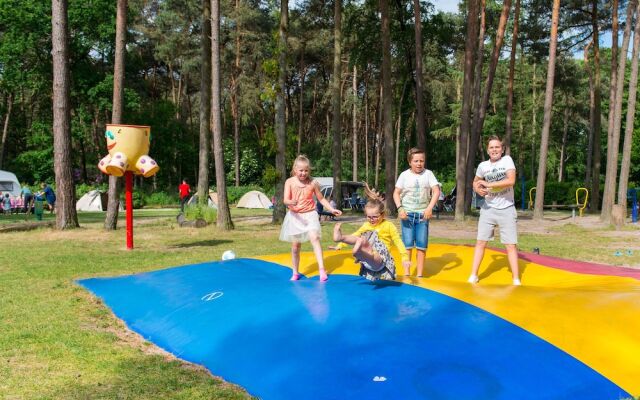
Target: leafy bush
[(161, 199), (138, 199), (269, 177), (82, 189), (194, 212)]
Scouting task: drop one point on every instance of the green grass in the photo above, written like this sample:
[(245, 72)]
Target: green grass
[(59, 342)]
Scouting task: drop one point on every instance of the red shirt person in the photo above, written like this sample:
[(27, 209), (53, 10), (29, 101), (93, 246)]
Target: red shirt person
[(184, 189)]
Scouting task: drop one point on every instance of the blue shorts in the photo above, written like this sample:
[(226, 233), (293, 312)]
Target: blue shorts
[(415, 231)]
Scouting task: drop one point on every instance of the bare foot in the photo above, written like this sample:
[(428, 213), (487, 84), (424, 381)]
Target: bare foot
[(323, 275), (337, 233)]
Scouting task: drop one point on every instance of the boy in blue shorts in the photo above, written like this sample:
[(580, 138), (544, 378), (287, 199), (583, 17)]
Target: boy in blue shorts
[(416, 193)]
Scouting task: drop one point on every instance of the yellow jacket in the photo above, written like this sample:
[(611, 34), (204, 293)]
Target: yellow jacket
[(387, 233)]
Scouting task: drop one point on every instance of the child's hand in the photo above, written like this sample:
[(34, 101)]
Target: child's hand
[(481, 187), (428, 213), (402, 213), (406, 265), (335, 212)]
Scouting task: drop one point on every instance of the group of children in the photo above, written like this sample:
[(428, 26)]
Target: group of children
[(416, 193)]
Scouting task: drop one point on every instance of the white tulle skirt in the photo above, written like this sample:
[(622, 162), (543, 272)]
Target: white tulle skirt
[(297, 226)]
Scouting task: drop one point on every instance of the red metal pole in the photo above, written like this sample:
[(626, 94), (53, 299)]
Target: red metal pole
[(129, 202)]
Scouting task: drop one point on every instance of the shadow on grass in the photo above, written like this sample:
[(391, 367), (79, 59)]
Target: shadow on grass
[(201, 243)]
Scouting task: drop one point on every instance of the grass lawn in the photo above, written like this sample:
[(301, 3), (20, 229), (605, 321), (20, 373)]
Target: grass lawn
[(59, 342)]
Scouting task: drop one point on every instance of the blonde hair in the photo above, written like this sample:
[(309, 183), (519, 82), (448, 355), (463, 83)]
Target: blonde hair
[(300, 159), (374, 199)]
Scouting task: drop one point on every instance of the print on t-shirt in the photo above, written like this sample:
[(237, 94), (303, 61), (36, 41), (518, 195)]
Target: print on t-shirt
[(495, 172)]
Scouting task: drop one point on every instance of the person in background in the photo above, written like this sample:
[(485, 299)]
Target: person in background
[(27, 197), (184, 190), (50, 196), (6, 204)]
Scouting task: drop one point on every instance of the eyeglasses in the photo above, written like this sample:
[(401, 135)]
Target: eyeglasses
[(373, 217)]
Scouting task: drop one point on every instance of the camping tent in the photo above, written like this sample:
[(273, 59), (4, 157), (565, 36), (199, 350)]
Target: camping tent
[(212, 201), (254, 199), (91, 201), (9, 183)]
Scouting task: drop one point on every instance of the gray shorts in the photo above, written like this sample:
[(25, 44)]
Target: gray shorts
[(505, 218)]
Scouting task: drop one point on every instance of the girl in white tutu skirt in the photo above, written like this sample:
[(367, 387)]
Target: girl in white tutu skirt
[(301, 223)]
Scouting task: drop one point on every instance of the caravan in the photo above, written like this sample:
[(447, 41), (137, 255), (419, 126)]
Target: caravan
[(9, 184)]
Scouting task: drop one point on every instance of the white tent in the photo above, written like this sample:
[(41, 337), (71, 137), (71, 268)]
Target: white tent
[(212, 201), (91, 201), (9, 183), (254, 199)]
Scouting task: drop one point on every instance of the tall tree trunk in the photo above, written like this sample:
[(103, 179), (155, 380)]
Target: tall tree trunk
[(235, 111), (398, 130), (5, 129), (205, 104), (387, 105), (631, 112), (224, 215), (355, 124), (596, 123), (478, 118), (281, 131), (366, 131), (589, 167), (563, 146), (378, 143), (303, 74), (336, 102), (534, 119), (477, 82), (538, 211), (66, 216), (512, 68), (420, 114), (465, 114), (613, 137), (113, 204)]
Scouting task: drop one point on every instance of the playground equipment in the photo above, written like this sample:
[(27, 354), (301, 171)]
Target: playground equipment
[(128, 146), (556, 331), (579, 205), (633, 195)]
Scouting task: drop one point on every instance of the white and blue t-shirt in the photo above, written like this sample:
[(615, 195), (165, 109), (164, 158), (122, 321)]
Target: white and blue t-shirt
[(498, 198), (416, 189)]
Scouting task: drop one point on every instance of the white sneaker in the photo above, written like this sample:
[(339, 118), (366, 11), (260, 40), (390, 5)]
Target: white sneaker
[(516, 282), (473, 279)]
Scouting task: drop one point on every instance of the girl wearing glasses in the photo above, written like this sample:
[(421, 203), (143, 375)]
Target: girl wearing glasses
[(372, 241), (301, 224)]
